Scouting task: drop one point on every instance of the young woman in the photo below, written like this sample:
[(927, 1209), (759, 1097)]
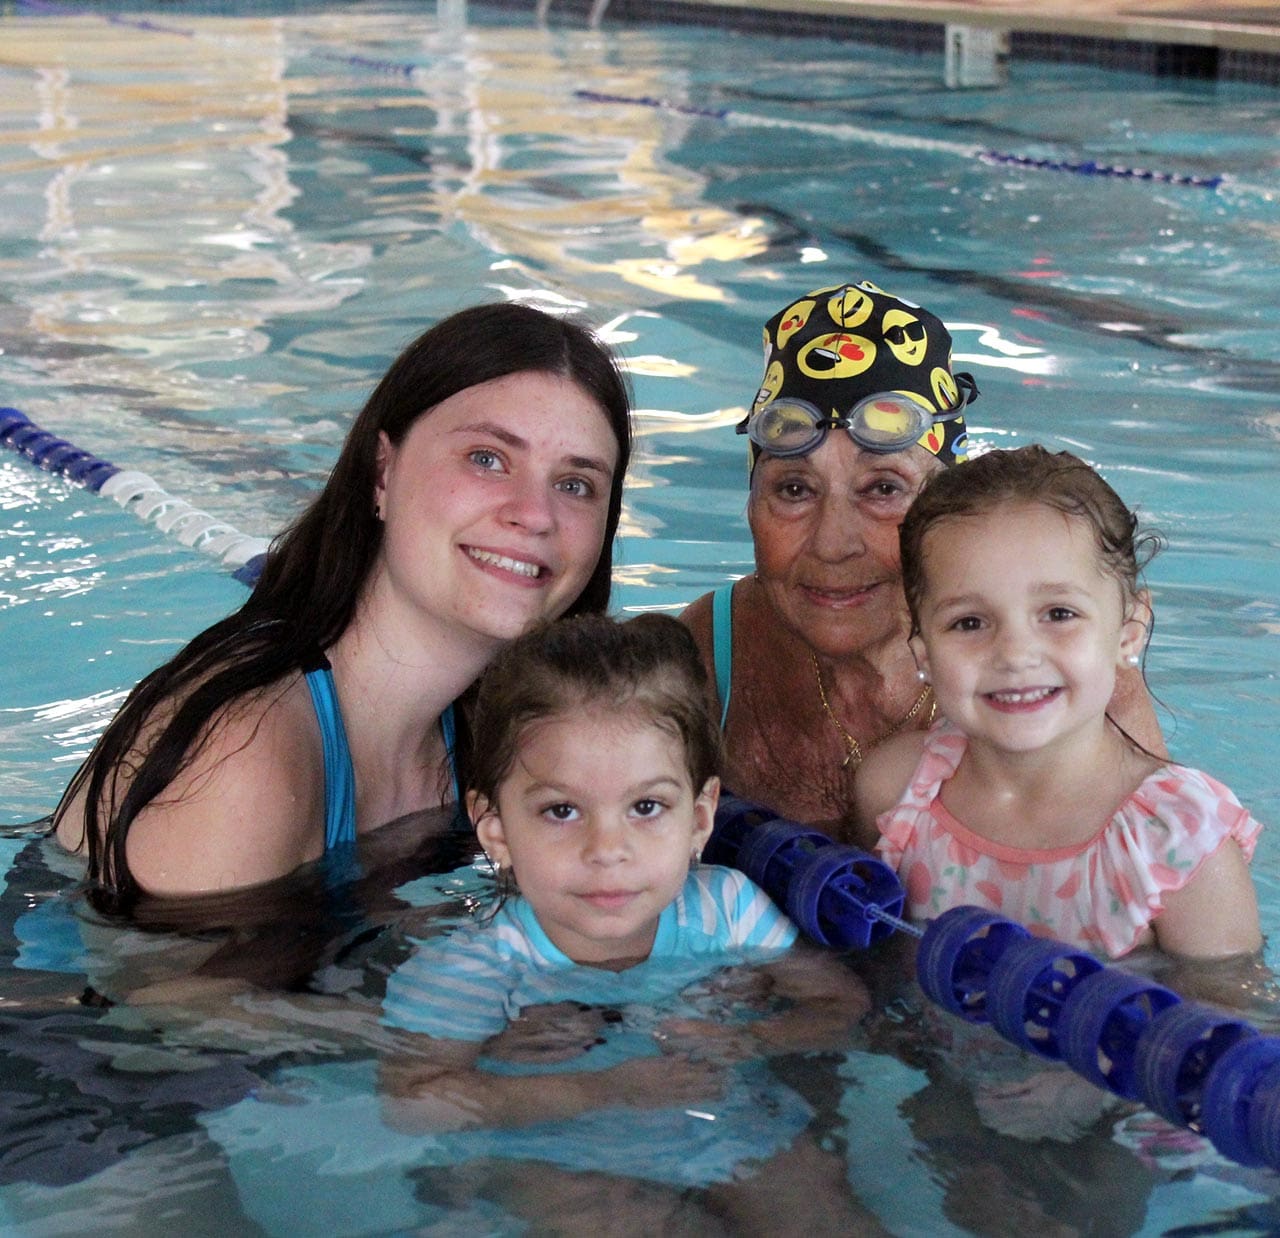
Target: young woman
[(477, 494)]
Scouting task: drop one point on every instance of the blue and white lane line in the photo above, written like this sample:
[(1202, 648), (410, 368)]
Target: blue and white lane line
[(138, 492)]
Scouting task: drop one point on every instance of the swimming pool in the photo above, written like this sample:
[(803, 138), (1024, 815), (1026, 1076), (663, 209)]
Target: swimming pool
[(217, 229)]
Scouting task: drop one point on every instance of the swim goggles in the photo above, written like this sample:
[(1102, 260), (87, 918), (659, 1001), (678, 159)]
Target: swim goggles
[(885, 422)]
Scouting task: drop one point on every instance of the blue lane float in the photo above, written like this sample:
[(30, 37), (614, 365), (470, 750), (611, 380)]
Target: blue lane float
[(839, 896), (1203, 1069), (138, 492)]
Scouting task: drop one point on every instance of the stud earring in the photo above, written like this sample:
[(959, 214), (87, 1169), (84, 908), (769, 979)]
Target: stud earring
[(922, 675), (695, 858), (1132, 659)]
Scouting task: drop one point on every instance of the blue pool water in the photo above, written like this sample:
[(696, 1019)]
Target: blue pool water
[(215, 231)]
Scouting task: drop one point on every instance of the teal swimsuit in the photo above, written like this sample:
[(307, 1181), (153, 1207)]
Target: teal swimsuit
[(339, 775), (722, 645)]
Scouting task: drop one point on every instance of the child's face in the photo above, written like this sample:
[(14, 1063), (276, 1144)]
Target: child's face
[(1021, 629), (598, 819)]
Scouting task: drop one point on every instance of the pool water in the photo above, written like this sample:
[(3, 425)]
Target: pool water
[(216, 230)]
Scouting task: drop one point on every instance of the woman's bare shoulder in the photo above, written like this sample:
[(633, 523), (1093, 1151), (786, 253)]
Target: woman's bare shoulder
[(249, 808), (1131, 706)]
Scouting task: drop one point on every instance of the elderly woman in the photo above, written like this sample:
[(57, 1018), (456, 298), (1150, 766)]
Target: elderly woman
[(808, 656)]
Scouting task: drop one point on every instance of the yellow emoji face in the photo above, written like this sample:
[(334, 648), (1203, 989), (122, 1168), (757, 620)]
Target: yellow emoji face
[(945, 392), (905, 335), (793, 319), (770, 385), (837, 355), (851, 308)]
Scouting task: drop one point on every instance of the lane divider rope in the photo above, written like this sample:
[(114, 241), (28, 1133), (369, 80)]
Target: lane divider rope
[(1082, 167), (137, 492)]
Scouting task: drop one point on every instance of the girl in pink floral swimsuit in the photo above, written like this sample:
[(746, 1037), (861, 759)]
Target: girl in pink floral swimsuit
[(1021, 569)]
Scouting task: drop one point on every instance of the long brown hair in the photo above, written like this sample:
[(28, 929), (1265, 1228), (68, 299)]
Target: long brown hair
[(316, 569)]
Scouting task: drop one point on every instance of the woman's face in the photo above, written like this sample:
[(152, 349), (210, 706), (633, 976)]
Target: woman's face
[(496, 504), (825, 528)]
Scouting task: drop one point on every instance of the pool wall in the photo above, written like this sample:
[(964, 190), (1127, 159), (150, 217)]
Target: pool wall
[(1203, 51)]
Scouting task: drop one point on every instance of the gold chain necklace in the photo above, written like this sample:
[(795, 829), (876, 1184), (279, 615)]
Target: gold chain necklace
[(855, 753)]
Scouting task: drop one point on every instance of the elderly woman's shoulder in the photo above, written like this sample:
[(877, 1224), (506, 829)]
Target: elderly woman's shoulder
[(733, 622), (697, 617)]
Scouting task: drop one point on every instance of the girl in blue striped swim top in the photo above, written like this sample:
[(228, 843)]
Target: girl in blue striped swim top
[(594, 789)]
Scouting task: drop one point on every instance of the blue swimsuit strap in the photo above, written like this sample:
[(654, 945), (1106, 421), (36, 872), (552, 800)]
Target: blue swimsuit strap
[(339, 774), (722, 645)]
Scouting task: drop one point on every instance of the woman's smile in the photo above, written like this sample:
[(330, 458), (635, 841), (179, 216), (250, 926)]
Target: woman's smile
[(526, 568), (837, 598)]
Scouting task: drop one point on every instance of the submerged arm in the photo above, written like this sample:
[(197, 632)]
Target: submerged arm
[(438, 1087), (824, 1002)]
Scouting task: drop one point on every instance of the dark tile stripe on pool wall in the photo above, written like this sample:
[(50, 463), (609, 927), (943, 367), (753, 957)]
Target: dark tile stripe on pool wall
[(1157, 59)]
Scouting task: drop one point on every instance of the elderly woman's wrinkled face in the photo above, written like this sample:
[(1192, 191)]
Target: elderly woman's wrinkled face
[(825, 528)]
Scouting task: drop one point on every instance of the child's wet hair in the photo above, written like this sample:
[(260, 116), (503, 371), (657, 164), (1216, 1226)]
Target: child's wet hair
[(648, 667), (1026, 476)]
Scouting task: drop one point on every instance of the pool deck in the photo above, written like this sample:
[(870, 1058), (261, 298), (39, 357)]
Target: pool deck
[(1248, 26), (1238, 25)]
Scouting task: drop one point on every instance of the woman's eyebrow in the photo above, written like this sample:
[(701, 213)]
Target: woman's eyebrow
[(505, 435)]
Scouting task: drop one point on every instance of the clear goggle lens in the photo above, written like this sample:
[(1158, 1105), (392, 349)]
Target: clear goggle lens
[(886, 422)]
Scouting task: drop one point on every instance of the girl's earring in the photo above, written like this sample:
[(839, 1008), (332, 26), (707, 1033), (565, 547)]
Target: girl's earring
[(695, 858), (1132, 659), (922, 675)]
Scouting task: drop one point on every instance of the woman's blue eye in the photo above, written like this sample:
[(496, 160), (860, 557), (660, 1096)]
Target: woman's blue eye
[(486, 459), (577, 486)]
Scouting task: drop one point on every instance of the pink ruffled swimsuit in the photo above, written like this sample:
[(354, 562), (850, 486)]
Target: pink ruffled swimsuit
[(1100, 894)]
